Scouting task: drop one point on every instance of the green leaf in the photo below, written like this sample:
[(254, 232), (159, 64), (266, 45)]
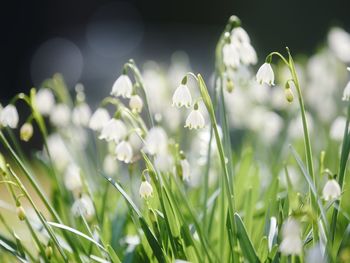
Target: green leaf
[(244, 241), (311, 185), (113, 255)]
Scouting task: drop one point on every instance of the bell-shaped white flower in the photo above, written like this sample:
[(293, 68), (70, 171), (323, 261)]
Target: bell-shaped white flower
[(186, 171), (182, 96), (291, 240), (331, 190), (99, 119), (231, 56), (346, 92), (81, 114), (9, 116), (83, 206), (44, 101), (124, 152), (238, 34), (247, 54), (58, 151), (72, 179), (337, 128), (195, 119), (156, 140), (60, 115), (114, 130), (136, 103), (122, 87), (26, 131), (265, 74), (163, 161), (146, 189)]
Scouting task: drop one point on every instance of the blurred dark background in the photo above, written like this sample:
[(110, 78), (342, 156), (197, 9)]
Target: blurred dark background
[(89, 40)]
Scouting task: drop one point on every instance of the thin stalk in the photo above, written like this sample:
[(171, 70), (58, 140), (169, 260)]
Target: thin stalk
[(342, 167), (228, 185), (31, 179), (42, 219), (131, 65), (308, 150)]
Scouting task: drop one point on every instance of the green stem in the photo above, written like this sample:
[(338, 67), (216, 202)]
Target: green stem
[(342, 167), (31, 179), (308, 149), (131, 65), (229, 190)]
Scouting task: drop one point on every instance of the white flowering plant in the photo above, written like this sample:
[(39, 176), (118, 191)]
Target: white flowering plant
[(242, 167)]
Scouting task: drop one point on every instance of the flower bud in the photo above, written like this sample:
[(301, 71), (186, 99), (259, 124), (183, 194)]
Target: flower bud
[(289, 95), (26, 131), (48, 252), (21, 213), (229, 85)]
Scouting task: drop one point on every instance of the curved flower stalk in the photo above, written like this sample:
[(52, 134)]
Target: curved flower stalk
[(268, 77)]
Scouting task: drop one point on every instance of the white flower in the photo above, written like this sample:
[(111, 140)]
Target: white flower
[(83, 206), (247, 54), (81, 115), (9, 117), (182, 96), (136, 103), (99, 119), (238, 34), (291, 242), (195, 120), (110, 165), (60, 115), (186, 171), (265, 74), (44, 101), (26, 131), (58, 151), (156, 140), (72, 178), (337, 128), (316, 254), (231, 55), (124, 151), (339, 43), (163, 161), (146, 189), (122, 87), (346, 92), (114, 130), (331, 190)]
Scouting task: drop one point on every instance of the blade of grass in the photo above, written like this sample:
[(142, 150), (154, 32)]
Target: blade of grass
[(244, 240)]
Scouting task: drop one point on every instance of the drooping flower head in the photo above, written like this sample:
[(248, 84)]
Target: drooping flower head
[(146, 189), (124, 151), (44, 101), (81, 114), (195, 119), (60, 115), (9, 116), (291, 240), (182, 96), (122, 87), (99, 119), (113, 130), (331, 190), (83, 206), (136, 103), (265, 75), (156, 140)]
